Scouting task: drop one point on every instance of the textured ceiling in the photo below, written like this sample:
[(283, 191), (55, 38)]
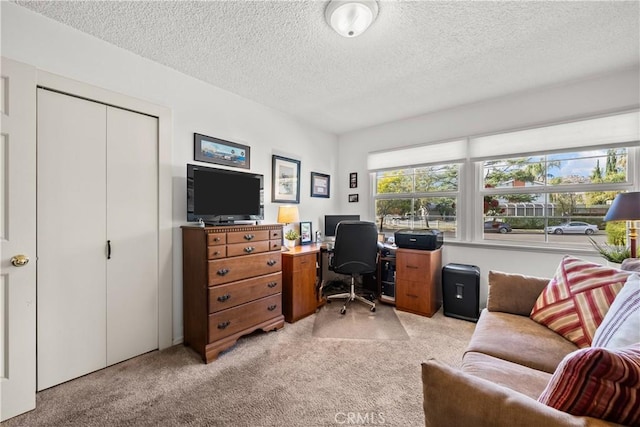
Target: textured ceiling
[(417, 57)]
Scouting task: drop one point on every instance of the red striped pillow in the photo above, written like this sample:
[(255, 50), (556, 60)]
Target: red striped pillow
[(576, 300), (598, 382)]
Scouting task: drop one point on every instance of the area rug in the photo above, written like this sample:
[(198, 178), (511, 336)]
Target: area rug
[(358, 322)]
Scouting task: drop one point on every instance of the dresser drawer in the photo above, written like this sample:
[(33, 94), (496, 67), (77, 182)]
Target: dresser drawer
[(215, 252), (275, 234), (216, 239), (275, 245), (238, 249), (228, 322), (238, 268), (247, 236), (222, 297)]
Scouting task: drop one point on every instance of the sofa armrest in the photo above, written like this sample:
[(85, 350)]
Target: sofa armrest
[(514, 293), (453, 398)]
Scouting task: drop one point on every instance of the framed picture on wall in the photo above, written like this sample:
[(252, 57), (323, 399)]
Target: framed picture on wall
[(353, 180), (285, 180), (305, 233), (215, 150), (353, 198), (320, 185)]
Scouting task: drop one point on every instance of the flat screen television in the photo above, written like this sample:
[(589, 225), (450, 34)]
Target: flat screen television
[(331, 222), (221, 196)]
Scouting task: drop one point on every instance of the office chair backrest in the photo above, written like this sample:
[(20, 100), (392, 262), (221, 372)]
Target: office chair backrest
[(355, 250)]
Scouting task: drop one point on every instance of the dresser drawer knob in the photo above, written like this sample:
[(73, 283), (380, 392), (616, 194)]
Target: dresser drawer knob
[(216, 239), (249, 249), (272, 307), (272, 262), (223, 298), (223, 325), (249, 236), (216, 253), (272, 284), (222, 271)]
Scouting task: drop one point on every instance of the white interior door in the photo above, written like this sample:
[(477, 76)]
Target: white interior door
[(71, 237), (132, 229), (18, 237)]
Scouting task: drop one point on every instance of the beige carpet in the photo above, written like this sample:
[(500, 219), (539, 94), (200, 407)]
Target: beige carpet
[(358, 322), (284, 378)]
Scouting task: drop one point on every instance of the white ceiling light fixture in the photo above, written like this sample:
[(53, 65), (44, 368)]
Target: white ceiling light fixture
[(350, 18)]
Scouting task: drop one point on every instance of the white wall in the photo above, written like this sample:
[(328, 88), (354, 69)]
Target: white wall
[(599, 95), (197, 107)]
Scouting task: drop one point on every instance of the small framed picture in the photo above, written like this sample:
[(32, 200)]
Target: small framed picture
[(305, 233), (320, 185), (215, 150), (353, 198), (353, 180)]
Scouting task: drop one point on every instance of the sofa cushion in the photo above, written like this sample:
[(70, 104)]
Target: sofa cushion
[(454, 398), (577, 298), (598, 382), (519, 339), (513, 293), (528, 381), (621, 324)]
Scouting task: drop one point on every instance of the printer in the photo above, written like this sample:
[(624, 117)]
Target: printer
[(423, 239)]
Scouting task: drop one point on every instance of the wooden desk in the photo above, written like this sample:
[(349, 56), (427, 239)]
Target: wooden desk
[(300, 281)]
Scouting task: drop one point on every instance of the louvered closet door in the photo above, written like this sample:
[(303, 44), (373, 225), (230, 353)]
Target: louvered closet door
[(132, 224), (71, 237)]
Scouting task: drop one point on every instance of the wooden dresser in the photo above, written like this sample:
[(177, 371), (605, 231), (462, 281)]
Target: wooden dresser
[(232, 284), (419, 281)]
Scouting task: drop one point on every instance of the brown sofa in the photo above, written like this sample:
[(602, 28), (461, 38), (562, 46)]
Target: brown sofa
[(509, 361)]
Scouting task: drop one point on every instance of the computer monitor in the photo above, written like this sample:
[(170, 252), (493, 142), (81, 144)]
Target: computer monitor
[(331, 222)]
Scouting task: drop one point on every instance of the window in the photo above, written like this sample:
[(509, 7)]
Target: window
[(420, 197), (560, 198), (550, 185)]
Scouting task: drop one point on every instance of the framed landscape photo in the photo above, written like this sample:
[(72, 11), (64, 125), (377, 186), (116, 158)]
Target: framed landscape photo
[(353, 198), (214, 150), (285, 184), (305, 233), (320, 185), (353, 180)]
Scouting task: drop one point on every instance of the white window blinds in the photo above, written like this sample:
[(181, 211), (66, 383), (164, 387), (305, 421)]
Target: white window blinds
[(611, 130), (444, 152)]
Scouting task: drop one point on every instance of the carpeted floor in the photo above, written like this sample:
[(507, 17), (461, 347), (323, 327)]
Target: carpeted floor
[(283, 378)]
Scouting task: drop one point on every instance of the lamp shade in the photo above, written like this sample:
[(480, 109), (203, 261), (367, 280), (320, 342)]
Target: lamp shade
[(288, 214), (350, 18), (625, 207)]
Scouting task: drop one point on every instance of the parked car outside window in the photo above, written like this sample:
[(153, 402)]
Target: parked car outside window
[(573, 227), (496, 227)]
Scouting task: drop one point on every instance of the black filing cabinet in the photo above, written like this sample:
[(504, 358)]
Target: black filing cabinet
[(461, 291)]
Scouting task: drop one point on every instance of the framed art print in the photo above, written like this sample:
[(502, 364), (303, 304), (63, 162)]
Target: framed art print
[(305, 233), (285, 184), (214, 150), (353, 180), (353, 198), (320, 185)]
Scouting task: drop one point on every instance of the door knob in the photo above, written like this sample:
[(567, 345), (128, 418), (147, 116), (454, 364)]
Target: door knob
[(19, 260)]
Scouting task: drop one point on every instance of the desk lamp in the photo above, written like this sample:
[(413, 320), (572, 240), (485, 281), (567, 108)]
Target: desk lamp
[(626, 207), (287, 215)]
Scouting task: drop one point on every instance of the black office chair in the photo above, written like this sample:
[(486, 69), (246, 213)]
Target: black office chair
[(355, 253)]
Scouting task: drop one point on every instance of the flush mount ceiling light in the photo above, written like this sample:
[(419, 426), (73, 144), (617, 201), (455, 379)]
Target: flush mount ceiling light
[(350, 18)]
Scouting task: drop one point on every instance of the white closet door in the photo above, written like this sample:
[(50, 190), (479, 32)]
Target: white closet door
[(71, 239), (132, 229)]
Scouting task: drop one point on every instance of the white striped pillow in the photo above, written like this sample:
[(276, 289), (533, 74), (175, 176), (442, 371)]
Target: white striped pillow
[(621, 325), (598, 382)]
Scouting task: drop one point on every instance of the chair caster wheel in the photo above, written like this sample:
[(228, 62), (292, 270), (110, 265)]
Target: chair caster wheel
[(373, 309), (343, 311)]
